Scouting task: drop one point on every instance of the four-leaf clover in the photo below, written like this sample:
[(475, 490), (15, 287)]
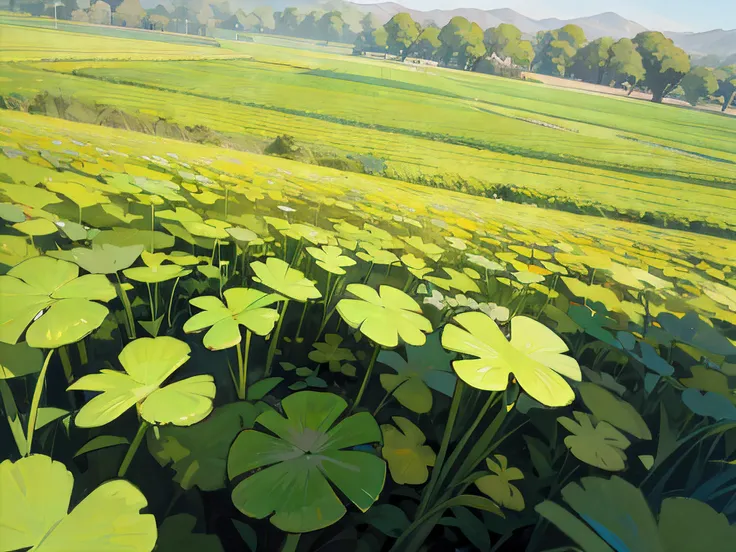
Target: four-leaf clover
[(247, 307), (533, 355), (384, 316), (147, 362)]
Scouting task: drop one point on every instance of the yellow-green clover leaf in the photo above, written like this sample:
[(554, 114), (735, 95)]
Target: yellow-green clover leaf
[(498, 486), (35, 495), (246, 307), (384, 316), (147, 362), (404, 449), (289, 470), (533, 355), (330, 258), (50, 296), (289, 282)]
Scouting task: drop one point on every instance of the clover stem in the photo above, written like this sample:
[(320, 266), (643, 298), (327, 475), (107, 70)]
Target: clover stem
[(387, 397), (368, 274), (33, 415), (133, 448), (301, 321), (549, 295), (592, 277), (388, 270), (326, 300), (171, 301), (150, 303), (239, 386), (275, 339), (521, 303), (153, 225), (493, 398), (80, 213), (82, 348), (407, 284), (66, 363), (130, 321), (33, 243), (212, 257), (367, 376), (291, 543), (246, 355), (452, 416)]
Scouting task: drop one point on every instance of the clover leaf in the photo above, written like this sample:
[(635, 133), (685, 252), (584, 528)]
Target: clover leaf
[(601, 446), (147, 362), (404, 449), (50, 296), (330, 258), (331, 353), (246, 307), (498, 486), (384, 316), (36, 492), (618, 516), (287, 473), (533, 355), (426, 367), (289, 282), (457, 280)]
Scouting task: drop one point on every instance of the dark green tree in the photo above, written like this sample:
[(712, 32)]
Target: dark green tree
[(463, 41), (331, 27), (699, 83), (287, 21), (402, 31), (556, 49), (505, 41), (726, 77), (664, 63), (591, 61), (625, 63), (427, 44)]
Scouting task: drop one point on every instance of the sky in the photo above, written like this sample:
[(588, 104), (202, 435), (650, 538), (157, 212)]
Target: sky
[(663, 15)]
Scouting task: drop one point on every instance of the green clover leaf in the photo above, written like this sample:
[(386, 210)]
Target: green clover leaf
[(245, 306), (404, 449), (295, 463), (289, 282), (50, 296)]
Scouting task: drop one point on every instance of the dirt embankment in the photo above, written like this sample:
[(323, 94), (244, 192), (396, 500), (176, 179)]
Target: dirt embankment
[(601, 89)]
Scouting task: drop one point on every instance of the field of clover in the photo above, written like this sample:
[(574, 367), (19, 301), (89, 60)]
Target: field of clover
[(218, 351)]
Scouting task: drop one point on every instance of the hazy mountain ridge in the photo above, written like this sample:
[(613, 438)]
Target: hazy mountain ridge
[(719, 42)]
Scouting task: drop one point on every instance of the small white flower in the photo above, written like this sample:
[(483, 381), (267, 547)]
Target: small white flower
[(286, 209)]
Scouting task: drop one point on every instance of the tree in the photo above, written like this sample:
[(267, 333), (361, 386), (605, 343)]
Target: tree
[(505, 41), (331, 27), (726, 77), (463, 40), (664, 63), (129, 14), (308, 26), (699, 83), (556, 49), (99, 13), (625, 63), (427, 43), (591, 61), (287, 22), (402, 32), (265, 18), (80, 15), (373, 36)]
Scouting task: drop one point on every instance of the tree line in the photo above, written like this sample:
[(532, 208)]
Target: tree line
[(649, 61)]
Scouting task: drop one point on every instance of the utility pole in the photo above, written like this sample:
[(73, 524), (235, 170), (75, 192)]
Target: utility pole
[(56, 23)]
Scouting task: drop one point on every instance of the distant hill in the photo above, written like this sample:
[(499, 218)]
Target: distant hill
[(719, 42), (595, 26)]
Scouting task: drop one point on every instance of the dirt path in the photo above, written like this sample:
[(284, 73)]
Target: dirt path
[(601, 89)]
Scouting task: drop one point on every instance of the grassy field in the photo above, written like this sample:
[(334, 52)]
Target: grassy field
[(522, 141)]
